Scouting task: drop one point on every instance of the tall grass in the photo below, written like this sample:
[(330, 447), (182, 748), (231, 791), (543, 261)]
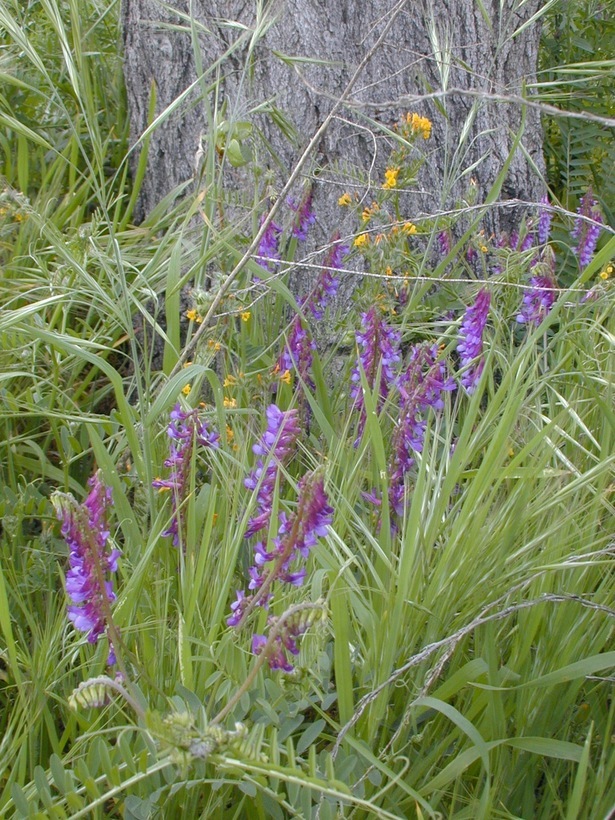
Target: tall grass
[(461, 662)]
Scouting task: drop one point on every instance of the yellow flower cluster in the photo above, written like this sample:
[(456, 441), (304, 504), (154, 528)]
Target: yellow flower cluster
[(607, 272), (193, 316), (344, 200), (370, 211), (419, 125), (409, 228), (390, 178), (362, 240)]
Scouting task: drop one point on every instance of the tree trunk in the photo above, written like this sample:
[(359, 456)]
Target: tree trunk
[(432, 47)]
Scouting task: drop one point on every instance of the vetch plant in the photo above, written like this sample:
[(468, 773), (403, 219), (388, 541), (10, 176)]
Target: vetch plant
[(86, 530), (538, 301), (185, 429), (421, 386), (378, 356), (470, 344), (285, 560), (587, 229), (274, 449)]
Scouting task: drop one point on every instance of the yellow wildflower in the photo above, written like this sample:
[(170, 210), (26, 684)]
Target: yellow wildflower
[(409, 228), (607, 272), (344, 200), (229, 403), (369, 211), (389, 271), (390, 176), (484, 248), (229, 381), (215, 346), (419, 125), (230, 435), (285, 377), (245, 315), (186, 389), (362, 240), (193, 316)]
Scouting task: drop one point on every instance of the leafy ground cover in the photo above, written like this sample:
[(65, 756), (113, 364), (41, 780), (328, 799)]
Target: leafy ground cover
[(368, 578)]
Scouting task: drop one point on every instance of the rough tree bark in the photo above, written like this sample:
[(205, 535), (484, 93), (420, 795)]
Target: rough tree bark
[(432, 46)]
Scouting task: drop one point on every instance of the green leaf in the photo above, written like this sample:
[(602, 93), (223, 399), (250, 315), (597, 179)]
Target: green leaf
[(310, 735), (234, 154)]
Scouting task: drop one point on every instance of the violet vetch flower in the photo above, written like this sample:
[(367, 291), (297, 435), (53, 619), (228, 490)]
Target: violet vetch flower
[(276, 657), (185, 429), (378, 349), (421, 386), (528, 241), (86, 530), (470, 344), (295, 538), (444, 242), (587, 232), (290, 627), (327, 285), (297, 354), (544, 221), (275, 448), (538, 301), (268, 249), (304, 215)]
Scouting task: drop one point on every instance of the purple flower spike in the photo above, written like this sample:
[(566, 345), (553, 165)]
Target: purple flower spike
[(276, 657), (421, 386), (297, 354), (327, 285), (444, 242), (184, 430), (296, 536), (268, 249), (275, 448), (85, 528), (587, 232), (528, 241), (295, 625), (470, 344), (378, 347), (304, 216), (538, 301), (544, 221)]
